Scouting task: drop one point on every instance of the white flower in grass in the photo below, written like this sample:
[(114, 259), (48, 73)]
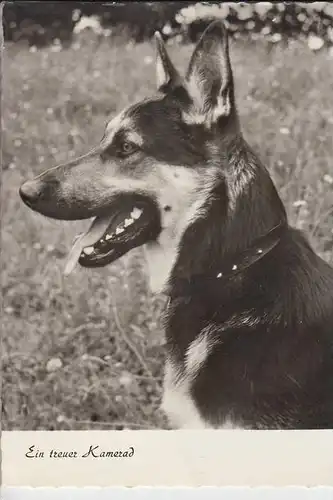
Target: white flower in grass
[(201, 11), (262, 8), (284, 130), (328, 178), (53, 364), (266, 30), (125, 379), (91, 22), (76, 14), (328, 9), (315, 42), (244, 11), (167, 30), (276, 37), (301, 17), (250, 25), (186, 15)]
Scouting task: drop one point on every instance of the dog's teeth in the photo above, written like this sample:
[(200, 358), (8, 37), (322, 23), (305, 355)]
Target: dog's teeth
[(88, 250), (119, 230), (128, 222), (136, 213), (108, 236)]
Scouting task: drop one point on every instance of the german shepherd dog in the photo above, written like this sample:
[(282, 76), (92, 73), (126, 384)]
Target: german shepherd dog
[(249, 320)]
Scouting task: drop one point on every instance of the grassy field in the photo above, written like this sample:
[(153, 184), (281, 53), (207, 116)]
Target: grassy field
[(86, 352)]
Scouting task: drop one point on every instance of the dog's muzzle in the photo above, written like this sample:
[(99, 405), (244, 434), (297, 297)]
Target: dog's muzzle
[(30, 192)]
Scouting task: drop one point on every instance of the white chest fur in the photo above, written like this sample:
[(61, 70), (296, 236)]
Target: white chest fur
[(180, 408), (177, 402)]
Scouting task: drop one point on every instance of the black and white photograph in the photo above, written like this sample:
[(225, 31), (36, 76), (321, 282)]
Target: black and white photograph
[(167, 220)]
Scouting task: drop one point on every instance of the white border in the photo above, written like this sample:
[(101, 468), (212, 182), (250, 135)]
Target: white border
[(292, 493), (171, 459)]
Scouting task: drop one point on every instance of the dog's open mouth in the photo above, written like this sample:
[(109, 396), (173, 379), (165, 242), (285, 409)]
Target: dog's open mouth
[(131, 222)]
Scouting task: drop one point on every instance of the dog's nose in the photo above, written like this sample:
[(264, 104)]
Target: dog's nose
[(30, 191)]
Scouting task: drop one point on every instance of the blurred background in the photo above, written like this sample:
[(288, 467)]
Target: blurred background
[(86, 352)]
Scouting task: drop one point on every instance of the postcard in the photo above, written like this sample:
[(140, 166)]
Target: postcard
[(167, 241)]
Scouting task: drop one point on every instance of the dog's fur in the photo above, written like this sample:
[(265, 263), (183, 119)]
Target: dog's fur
[(253, 350)]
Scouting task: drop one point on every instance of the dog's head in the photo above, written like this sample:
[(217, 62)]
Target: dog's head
[(149, 176)]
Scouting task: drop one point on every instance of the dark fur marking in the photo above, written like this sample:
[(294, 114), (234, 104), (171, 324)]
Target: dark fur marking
[(158, 119)]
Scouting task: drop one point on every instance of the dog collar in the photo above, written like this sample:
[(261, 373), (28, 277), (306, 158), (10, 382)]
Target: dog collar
[(231, 266)]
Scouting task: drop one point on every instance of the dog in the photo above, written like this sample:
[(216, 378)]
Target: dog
[(249, 320)]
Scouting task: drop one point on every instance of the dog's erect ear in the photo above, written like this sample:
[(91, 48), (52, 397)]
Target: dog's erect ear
[(167, 75), (209, 79)]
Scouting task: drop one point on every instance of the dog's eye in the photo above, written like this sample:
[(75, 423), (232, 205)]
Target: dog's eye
[(127, 148)]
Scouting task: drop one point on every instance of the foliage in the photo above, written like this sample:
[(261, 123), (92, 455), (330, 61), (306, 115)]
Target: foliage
[(40, 23)]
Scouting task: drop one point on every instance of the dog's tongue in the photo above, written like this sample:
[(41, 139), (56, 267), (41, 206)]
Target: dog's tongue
[(94, 233)]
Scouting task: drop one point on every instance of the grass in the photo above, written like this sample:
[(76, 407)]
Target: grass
[(103, 327)]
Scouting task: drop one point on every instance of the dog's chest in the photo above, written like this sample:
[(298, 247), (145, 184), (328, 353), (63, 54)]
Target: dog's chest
[(179, 406), (177, 402)]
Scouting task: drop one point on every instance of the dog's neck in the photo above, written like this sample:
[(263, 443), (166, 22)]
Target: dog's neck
[(240, 213), (234, 230), (230, 267)]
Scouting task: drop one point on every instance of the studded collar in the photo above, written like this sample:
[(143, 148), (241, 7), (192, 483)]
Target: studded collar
[(230, 267)]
